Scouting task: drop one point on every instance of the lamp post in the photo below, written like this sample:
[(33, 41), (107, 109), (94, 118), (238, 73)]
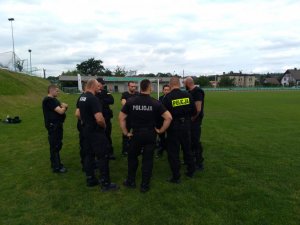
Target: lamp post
[(29, 50), (12, 35)]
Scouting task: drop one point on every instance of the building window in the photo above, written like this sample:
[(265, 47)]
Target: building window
[(116, 88)]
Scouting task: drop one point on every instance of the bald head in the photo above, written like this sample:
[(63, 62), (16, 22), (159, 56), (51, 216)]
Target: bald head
[(174, 83), (189, 83), (92, 86)]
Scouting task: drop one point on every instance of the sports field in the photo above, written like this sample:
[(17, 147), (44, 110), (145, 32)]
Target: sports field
[(252, 166)]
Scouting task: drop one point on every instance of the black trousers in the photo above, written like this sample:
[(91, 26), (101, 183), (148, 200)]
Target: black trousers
[(55, 137), (125, 139), (95, 144), (142, 142), (179, 135), (162, 141), (197, 148), (81, 147), (108, 130)]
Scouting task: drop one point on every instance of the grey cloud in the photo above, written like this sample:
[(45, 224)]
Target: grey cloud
[(277, 44), (169, 50), (149, 37)]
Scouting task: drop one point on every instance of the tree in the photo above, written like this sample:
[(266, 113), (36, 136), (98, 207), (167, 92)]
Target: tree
[(106, 73), (226, 82), (203, 81), (164, 74), (120, 71), (90, 67), (53, 80), (70, 73)]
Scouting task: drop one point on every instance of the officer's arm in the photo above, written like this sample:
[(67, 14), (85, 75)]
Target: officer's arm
[(122, 121), (77, 113), (167, 121), (100, 119), (61, 109), (198, 109)]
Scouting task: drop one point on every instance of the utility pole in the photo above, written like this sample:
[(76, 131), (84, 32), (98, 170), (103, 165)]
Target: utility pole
[(29, 50), (13, 42)]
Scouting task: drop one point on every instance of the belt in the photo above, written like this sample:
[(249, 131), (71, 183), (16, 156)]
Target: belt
[(141, 129), (92, 128), (182, 119)]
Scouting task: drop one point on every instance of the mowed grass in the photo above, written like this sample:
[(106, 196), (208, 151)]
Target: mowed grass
[(252, 164)]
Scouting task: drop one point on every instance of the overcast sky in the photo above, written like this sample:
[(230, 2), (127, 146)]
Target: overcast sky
[(197, 36)]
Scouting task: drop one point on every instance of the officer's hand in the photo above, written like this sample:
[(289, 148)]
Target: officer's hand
[(157, 131), (129, 135), (64, 105)]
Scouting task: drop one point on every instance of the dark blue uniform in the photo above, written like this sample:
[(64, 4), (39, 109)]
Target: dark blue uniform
[(125, 141), (181, 106), (95, 141), (143, 111), (54, 125), (197, 149)]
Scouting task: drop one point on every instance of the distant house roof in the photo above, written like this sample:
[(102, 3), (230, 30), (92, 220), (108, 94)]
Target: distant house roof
[(113, 79), (295, 73), (271, 80)]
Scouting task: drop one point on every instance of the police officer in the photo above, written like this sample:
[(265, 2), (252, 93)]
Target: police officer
[(143, 111), (95, 141), (198, 97), (125, 96), (181, 106), (162, 137), (106, 99), (54, 117), (81, 138)]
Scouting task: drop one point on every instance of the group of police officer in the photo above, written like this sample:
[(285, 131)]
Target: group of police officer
[(176, 118)]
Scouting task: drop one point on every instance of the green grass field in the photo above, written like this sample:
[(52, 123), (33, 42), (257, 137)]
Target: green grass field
[(252, 166)]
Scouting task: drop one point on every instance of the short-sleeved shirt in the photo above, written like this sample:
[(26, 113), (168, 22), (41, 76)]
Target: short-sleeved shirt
[(77, 106), (126, 95), (106, 99), (180, 104), (161, 98), (143, 111), (89, 105), (50, 115), (198, 95)]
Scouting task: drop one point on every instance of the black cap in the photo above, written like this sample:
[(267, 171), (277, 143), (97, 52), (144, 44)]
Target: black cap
[(100, 80)]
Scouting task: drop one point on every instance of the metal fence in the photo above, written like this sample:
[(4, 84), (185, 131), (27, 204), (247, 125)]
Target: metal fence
[(296, 88)]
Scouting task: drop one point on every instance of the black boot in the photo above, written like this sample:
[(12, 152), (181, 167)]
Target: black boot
[(57, 166), (129, 183), (109, 187), (145, 187), (92, 181)]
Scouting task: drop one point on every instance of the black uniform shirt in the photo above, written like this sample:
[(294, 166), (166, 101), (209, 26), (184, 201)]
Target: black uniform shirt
[(161, 98), (106, 99), (50, 115), (89, 105), (180, 104), (126, 95), (143, 109), (198, 95), (77, 106)]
